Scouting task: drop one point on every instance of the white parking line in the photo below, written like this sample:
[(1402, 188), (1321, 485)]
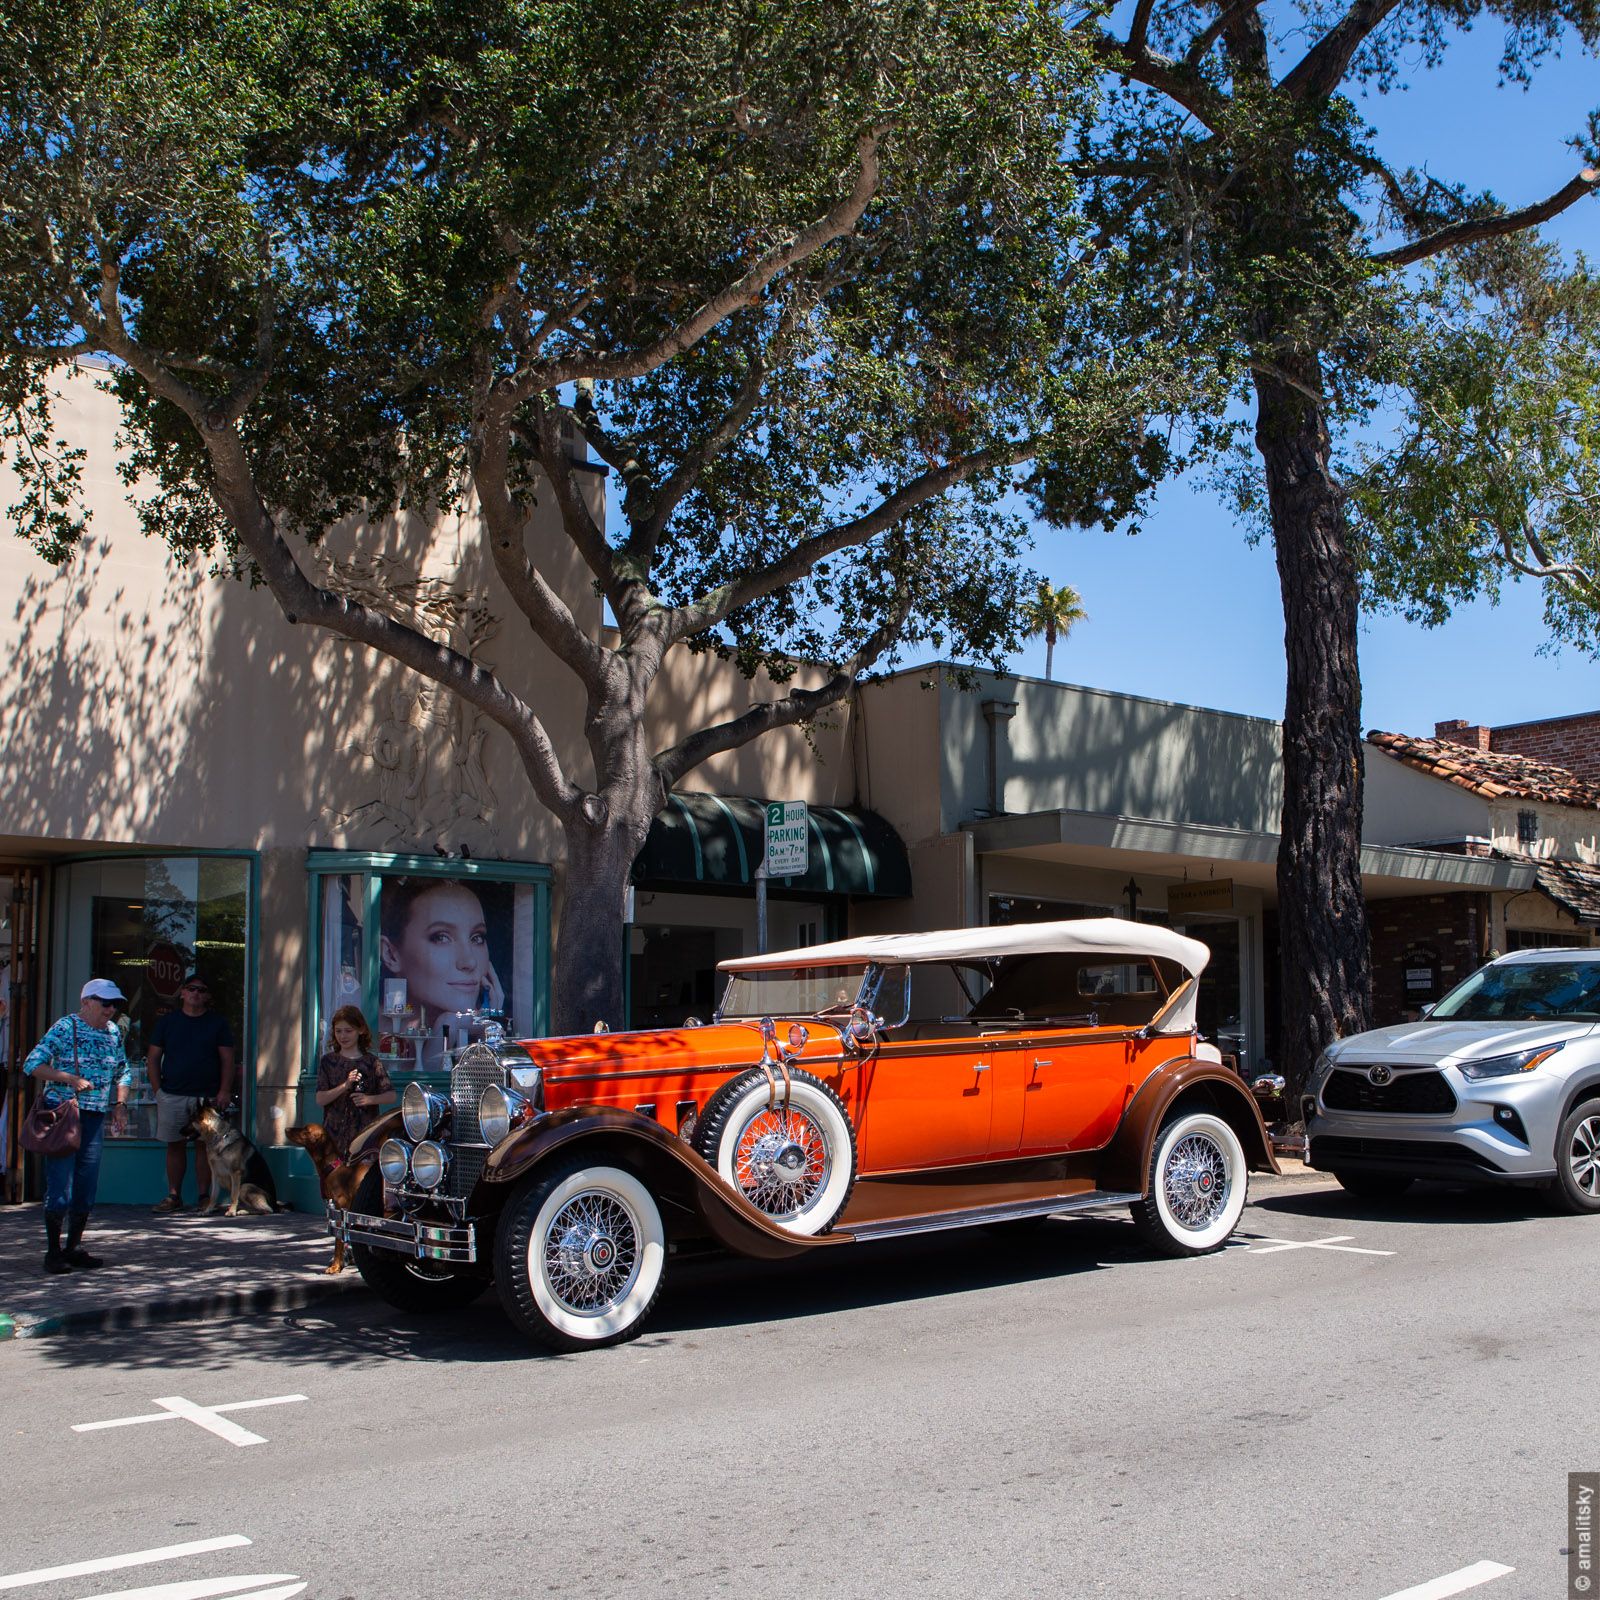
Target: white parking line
[(1453, 1582), (244, 1588), (138, 1558), (1271, 1247), (210, 1418)]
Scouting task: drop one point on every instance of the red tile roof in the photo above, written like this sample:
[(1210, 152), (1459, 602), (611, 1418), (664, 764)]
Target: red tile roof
[(1573, 885), (1494, 774)]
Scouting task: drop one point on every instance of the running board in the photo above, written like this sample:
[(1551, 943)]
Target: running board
[(976, 1216)]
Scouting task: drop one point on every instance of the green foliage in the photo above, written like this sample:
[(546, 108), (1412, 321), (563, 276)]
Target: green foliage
[(341, 226), (1496, 469)]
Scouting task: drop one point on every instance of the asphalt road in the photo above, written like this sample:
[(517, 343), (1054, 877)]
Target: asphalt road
[(970, 1415)]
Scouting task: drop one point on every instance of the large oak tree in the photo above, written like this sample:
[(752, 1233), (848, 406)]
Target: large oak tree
[(808, 278)]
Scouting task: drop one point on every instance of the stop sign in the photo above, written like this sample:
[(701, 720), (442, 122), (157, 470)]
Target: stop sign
[(165, 968)]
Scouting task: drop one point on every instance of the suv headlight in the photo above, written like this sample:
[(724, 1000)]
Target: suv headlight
[(1504, 1066), (422, 1114)]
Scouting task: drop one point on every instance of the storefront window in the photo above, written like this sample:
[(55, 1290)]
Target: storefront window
[(145, 922), (428, 951)]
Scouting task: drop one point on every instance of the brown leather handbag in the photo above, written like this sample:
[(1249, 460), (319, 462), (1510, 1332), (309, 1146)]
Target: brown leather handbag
[(53, 1130)]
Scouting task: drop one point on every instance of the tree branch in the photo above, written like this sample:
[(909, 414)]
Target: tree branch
[(798, 706), (1476, 228), (303, 601), (835, 224), (1177, 82), (721, 603), (547, 613), (1322, 68), (1224, 19)]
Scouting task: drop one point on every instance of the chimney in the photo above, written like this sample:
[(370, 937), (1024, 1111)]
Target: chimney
[(1457, 732)]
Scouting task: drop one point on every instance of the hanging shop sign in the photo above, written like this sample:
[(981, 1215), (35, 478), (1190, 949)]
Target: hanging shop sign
[(1208, 894)]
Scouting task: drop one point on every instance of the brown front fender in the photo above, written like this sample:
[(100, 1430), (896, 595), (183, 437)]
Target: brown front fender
[(371, 1138), (643, 1144), (1125, 1162)]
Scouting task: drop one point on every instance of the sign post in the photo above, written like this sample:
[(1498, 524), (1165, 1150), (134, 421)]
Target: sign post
[(786, 853)]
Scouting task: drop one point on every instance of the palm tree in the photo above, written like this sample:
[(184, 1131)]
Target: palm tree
[(1053, 612)]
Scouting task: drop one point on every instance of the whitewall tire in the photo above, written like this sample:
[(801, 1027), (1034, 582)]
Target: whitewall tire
[(794, 1161), (580, 1256), (1196, 1186)]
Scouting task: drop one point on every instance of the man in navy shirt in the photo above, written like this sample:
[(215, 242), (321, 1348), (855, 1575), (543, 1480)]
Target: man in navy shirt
[(190, 1061)]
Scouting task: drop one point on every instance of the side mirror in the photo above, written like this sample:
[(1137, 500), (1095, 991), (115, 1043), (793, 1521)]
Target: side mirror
[(1427, 1010)]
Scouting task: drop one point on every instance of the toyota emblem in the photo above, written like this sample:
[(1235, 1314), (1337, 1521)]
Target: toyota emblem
[(1379, 1075)]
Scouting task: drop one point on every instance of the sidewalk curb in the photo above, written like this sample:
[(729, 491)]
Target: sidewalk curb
[(265, 1300)]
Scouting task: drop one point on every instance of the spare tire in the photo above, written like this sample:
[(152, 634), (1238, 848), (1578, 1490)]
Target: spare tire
[(796, 1162)]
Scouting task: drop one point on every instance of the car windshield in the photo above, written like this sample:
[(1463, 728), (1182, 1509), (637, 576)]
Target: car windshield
[(1525, 991), (792, 992)]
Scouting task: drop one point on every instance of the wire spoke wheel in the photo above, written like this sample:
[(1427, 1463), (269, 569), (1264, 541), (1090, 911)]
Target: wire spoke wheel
[(1197, 1181), (1196, 1185), (591, 1253), (780, 1161), (580, 1254), (794, 1160)]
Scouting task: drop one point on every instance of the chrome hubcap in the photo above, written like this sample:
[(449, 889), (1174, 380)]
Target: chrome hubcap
[(591, 1253), (1584, 1157), (1196, 1182), (781, 1162)]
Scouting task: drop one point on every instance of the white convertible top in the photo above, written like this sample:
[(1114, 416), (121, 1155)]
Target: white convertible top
[(1089, 935)]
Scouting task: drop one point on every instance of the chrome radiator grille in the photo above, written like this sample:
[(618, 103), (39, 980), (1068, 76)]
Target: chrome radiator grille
[(476, 1068)]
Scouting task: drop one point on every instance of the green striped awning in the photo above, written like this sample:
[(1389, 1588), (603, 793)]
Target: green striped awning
[(716, 840)]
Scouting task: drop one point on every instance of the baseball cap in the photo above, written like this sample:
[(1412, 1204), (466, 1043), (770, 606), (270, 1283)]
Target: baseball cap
[(101, 989)]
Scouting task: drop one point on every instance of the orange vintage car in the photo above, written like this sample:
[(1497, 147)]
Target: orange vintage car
[(843, 1093)]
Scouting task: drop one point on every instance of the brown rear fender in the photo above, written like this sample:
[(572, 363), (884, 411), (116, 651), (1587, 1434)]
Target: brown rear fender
[(661, 1158), (1179, 1086)]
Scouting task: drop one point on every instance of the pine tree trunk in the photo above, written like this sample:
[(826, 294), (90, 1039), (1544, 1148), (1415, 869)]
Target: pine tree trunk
[(1322, 919)]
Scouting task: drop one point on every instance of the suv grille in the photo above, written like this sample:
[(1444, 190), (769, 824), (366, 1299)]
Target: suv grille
[(476, 1068), (1410, 1093)]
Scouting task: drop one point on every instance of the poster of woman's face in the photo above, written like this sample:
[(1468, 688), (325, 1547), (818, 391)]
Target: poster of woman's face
[(450, 940)]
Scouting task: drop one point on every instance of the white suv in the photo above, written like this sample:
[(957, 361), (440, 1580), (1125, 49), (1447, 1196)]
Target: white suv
[(1499, 1083)]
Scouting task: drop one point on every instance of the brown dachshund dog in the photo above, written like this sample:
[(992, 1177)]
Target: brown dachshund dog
[(340, 1179)]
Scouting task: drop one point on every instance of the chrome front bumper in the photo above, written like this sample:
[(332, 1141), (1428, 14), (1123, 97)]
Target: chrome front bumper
[(407, 1236)]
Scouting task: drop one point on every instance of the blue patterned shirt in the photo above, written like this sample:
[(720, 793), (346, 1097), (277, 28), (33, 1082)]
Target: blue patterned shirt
[(100, 1058)]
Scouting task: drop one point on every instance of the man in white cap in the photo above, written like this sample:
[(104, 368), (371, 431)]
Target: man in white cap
[(81, 1056)]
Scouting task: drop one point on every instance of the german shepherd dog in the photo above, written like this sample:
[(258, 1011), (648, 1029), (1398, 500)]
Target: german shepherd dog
[(339, 1178), (234, 1158)]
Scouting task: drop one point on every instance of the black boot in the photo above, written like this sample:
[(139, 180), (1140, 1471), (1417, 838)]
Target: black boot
[(54, 1258), (75, 1254)]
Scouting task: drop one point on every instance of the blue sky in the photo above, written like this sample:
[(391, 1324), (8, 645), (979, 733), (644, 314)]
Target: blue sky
[(1187, 611)]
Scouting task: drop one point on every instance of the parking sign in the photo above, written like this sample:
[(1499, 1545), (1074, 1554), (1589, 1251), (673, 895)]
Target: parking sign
[(788, 851)]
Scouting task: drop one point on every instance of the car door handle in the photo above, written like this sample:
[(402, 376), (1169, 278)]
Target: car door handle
[(1040, 1061), (980, 1066)]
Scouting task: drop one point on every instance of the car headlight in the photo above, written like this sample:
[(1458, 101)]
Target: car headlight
[(428, 1162), (394, 1161), (1504, 1066), (499, 1110), (1324, 1065), (422, 1114)]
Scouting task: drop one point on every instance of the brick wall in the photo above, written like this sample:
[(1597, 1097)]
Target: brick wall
[(1570, 742), (1449, 926)]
